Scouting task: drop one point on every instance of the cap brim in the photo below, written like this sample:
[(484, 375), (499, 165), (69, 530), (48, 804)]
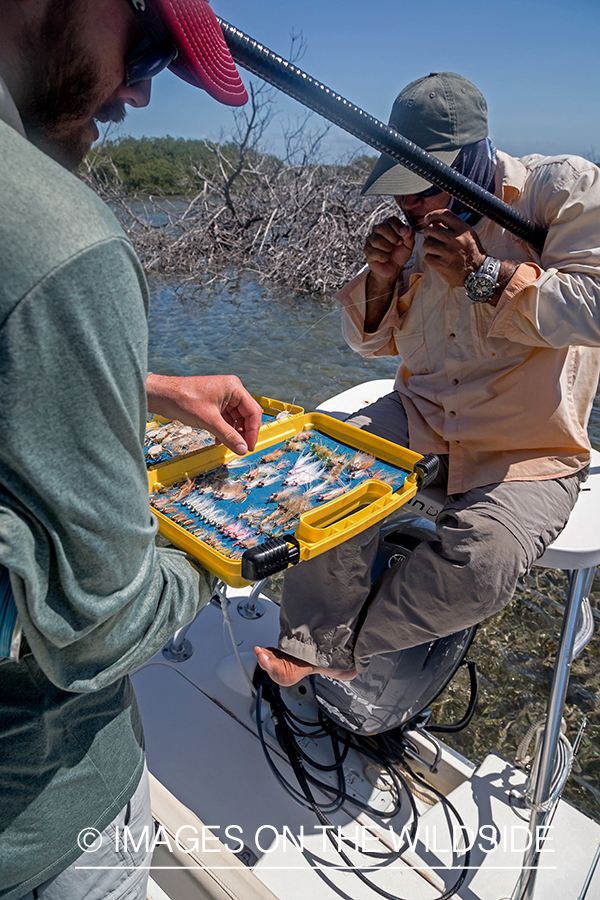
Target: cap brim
[(204, 59), (389, 177)]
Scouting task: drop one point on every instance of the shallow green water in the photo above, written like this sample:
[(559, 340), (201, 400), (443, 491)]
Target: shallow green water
[(291, 349), (283, 347)]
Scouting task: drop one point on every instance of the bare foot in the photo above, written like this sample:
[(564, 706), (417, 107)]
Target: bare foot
[(286, 670)]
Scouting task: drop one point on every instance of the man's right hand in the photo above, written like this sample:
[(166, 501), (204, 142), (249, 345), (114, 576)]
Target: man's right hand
[(219, 403), (388, 248)]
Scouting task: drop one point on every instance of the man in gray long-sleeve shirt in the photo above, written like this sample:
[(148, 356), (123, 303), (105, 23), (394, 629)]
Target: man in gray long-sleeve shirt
[(95, 598)]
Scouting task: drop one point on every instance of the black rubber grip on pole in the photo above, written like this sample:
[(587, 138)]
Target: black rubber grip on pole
[(273, 555), (288, 78)]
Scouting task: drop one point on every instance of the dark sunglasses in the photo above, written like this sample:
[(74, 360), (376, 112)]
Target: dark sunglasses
[(155, 51), (432, 191)]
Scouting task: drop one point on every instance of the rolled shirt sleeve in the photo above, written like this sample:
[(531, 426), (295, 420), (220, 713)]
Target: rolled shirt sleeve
[(353, 298), (555, 301)]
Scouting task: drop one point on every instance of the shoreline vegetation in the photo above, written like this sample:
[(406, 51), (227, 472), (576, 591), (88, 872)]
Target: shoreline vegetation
[(195, 210)]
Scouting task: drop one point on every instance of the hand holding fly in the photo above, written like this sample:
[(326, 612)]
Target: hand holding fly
[(218, 403), (451, 247)]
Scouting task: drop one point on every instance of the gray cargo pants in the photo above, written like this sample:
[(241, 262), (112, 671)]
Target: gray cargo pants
[(331, 614)]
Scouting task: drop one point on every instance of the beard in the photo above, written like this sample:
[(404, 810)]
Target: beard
[(62, 92)]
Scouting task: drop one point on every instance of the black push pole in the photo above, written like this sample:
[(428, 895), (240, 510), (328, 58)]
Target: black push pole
[(288, 78)]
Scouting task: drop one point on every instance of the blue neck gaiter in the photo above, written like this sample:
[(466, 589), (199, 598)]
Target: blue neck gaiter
[(476, 162)]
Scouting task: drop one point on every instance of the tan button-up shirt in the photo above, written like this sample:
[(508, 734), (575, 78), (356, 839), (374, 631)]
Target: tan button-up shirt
[(506, 392)]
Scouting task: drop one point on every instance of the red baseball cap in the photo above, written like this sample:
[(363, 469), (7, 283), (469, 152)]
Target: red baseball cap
[(203, 58)]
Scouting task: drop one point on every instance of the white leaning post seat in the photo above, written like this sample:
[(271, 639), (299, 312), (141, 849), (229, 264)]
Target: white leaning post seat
[(355, 398), (577, 551)]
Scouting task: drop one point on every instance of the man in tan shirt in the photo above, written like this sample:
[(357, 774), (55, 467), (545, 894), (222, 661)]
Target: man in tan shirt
[(500, 363)]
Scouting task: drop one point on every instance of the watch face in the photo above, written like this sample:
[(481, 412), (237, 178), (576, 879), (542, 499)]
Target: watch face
[(479, 287)]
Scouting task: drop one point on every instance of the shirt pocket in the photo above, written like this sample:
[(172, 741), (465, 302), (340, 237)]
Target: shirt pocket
[(413, 351), (491, 349), (410, 336)]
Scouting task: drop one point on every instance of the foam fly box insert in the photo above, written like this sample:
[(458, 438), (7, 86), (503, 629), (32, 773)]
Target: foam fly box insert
[(166, 440), (311, 483)]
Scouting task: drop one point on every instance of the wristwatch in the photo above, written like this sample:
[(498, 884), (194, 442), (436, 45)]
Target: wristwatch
[(480, 285)]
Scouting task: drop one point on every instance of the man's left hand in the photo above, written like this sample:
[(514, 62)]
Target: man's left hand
[(218, 403), (451, 247)]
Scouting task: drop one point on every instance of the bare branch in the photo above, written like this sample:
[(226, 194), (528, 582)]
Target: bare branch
[(296, 222)]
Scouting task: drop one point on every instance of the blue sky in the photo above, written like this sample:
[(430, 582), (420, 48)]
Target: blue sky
[(537, 63)]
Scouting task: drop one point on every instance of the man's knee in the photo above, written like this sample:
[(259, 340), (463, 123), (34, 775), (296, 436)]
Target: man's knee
[(385, 418), (485, 559), (444, 586)]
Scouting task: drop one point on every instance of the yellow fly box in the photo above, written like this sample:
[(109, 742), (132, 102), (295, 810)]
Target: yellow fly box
[(311, 483), (167, 440)]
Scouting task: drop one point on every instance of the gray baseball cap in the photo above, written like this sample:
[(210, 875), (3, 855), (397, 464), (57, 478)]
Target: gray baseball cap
[(441, 113)]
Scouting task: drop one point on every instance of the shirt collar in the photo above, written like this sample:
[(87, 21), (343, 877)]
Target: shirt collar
[(8, 111)]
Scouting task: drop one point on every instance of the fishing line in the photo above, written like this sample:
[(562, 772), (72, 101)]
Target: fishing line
[(336, 311), (347, 306)]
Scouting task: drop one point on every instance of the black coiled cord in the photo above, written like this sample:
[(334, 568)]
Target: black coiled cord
[(297, 756)]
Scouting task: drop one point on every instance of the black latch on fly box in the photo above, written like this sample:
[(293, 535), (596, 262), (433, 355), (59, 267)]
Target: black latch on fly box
[(426, 469), (273, 555)]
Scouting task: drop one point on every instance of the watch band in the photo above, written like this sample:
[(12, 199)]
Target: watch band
[(491, 267)]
